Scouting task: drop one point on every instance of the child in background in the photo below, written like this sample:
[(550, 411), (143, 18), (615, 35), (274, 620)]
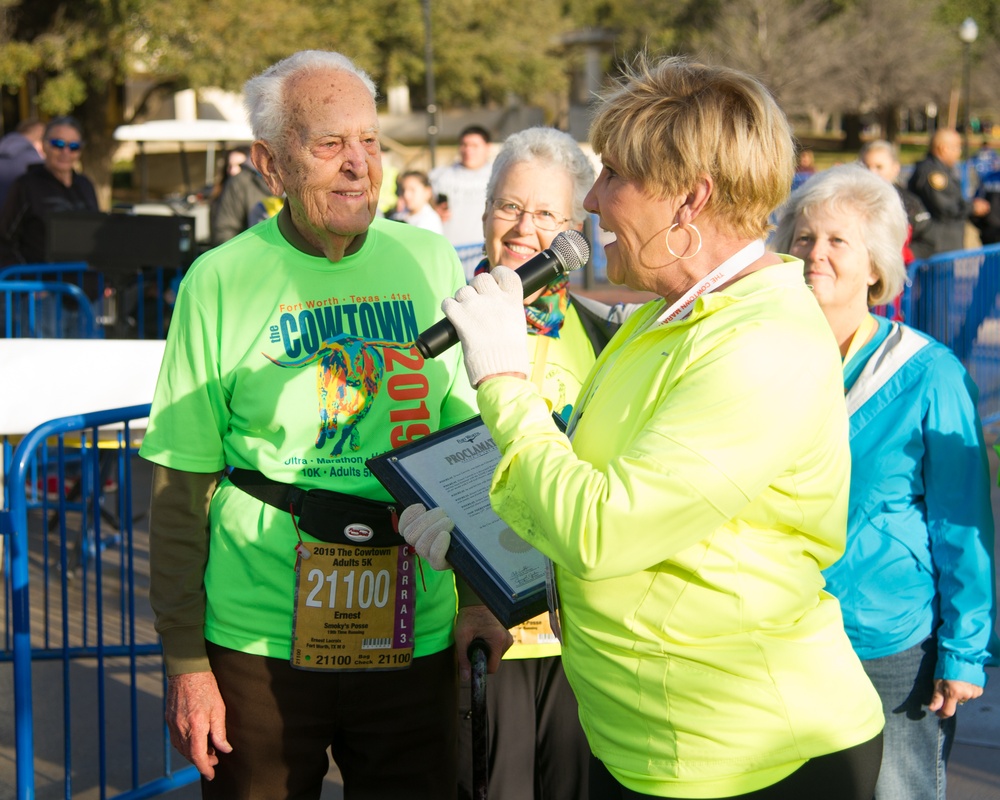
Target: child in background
[(417, 194)]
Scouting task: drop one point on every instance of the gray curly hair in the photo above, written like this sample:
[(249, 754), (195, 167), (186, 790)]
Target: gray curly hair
[(550, 147), (852, 188)]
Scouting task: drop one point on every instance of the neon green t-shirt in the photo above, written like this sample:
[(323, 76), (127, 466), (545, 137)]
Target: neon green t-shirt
[(302, 369)]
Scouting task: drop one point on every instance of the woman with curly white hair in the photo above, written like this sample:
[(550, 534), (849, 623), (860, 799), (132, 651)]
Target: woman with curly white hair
[(916, 580)]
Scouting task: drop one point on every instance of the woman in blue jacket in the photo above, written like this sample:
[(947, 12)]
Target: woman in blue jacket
[(916, 582)]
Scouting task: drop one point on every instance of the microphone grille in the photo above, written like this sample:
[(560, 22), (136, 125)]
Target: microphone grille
[(571, 249)]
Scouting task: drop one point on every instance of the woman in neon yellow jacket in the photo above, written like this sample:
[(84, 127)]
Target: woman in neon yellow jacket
[(702, 484)]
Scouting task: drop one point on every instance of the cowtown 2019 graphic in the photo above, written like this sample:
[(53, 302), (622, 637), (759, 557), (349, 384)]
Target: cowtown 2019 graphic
[(349, 342)]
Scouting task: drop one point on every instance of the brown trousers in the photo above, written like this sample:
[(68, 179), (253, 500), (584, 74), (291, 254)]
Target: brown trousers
[(392, 734)]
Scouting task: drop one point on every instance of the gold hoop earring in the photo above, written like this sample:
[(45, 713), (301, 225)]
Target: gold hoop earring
[(697, 250)]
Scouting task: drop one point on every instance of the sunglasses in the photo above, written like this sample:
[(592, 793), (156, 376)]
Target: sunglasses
[(62, 144)]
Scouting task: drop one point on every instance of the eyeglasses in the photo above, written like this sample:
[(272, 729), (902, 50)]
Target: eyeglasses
[(62, 144), (511, 211)]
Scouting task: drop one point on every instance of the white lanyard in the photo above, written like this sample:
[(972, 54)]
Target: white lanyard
[(723, 273)]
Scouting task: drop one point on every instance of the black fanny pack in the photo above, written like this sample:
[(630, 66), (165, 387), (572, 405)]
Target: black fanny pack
[(326, 515)]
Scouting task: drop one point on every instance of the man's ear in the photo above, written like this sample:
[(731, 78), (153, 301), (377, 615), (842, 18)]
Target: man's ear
[(263, 158)]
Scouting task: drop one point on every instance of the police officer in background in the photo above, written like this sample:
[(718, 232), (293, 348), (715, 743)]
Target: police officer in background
[(936, 182)]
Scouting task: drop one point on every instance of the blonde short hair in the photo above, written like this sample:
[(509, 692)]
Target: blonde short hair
[(666, 124)]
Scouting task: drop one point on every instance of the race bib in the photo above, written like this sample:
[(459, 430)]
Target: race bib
[(353, 608), (537, 630)]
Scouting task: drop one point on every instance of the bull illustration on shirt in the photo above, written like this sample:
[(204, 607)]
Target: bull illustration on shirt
[(347, 380)]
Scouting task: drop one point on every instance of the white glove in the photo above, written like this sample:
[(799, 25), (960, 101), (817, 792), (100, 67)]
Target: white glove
[(489, 317), (427, 532)]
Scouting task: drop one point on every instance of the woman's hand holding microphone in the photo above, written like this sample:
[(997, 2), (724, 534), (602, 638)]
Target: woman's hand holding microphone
[(488, 315)]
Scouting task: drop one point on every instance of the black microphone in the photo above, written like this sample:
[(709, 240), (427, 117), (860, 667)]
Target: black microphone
[(569, 251)]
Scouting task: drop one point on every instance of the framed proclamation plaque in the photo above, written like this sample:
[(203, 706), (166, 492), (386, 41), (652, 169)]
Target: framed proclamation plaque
[(452, 469)]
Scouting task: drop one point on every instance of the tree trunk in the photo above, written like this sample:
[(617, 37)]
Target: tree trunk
[(818, 120), (98, 121), (889, 120), (852, 131)]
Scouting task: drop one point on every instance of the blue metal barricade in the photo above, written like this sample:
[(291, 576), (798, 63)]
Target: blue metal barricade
[(46, 309), (67, 272), (140, 308), (470, 255), (953, 297), (77, 624)]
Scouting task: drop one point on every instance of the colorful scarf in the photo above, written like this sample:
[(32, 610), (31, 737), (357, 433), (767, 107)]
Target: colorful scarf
[(544, 316)]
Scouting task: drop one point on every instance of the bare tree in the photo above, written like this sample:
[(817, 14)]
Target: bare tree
[(898, 56), (793, 47), (985, 82)]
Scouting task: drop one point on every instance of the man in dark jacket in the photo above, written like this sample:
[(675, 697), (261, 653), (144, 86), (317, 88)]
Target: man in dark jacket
[(234, 212), (882, 158), (18, 150), (46, 188), (936, 182), (989, 223)]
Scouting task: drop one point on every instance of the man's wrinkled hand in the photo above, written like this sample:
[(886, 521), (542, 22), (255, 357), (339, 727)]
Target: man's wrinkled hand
[(196, 717), (478, 622), (427, 532)]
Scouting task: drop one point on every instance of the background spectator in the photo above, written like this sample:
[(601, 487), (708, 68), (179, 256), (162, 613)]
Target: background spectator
[(18, 150), (231, 165), (238, 202), (54, 185), (989, 223), (882, 158), (417, 196), (805, 167), (986, 160), (916, 580), (935, 180), (463, 186)]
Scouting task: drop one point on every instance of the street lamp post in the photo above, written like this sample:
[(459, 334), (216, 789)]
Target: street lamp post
[(432, 127), (967, 32)]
